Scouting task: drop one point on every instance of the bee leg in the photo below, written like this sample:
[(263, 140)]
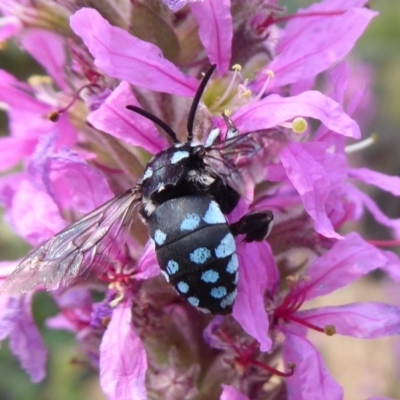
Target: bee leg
[(256, 226)]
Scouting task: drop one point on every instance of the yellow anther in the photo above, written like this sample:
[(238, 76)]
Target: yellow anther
[(53, 116), (299, 125), (246, 94), (329, 330), (39, 80), (237, 67), (269, 73), (227, 112)]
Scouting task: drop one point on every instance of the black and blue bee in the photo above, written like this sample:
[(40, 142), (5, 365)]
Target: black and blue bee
[(183, 196)]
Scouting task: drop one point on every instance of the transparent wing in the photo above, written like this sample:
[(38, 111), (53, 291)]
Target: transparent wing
[(242, 160), (70, 254)]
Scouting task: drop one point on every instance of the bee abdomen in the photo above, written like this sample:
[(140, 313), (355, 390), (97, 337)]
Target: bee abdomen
[(196, 252)]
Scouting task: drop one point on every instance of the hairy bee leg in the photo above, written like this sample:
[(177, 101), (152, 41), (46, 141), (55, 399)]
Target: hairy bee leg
[(256, 226)]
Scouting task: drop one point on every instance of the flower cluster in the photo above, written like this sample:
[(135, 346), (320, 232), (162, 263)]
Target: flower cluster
[(78, 146)]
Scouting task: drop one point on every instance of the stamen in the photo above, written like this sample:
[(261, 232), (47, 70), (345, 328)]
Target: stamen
[(363, 144), (384, 243), (120, 295), (244, 92), (291, 367), (39, 80), (299, 125), (270, 75), (227, 112), (309, 14), (55, 115), (330, 330), (236, 68), (245, 354)]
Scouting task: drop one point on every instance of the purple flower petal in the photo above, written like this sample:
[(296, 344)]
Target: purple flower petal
[(312, 182), (307, 49), (255, 260), (48, 49), (388, 183), (123, 362), (230, 393), (70, 181), (13, 150), (348, 260), (392, 268), (311, 379), (148, 265), (113, 117), (215, 30), (34, 214), (123, 56), (176, 5), (25, 341), (361, 320), (373, 208), (9, 26), (274, 109), (17, 95)]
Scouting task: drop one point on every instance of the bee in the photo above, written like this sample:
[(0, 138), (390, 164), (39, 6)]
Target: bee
[(184, 195)]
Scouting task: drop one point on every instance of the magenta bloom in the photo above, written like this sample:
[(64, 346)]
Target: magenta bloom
[(82, 147)]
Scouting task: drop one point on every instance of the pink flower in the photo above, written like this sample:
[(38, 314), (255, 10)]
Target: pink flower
[(145, 340)]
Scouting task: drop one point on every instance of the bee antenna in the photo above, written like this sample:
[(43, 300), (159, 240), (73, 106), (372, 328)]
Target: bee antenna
[(156, 120), (196, 101)]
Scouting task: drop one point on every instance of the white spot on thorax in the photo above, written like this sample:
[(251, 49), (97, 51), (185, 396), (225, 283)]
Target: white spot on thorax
[(212, 136), (202, 179), (178, 156), (210, 276), (159, 237), (226, 247), (214, 215), (190, 222), (160, 187), (147, 173), (200, 255), (149, 206)]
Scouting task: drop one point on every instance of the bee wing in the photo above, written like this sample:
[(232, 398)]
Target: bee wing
[(241, 161), (70, 254)]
